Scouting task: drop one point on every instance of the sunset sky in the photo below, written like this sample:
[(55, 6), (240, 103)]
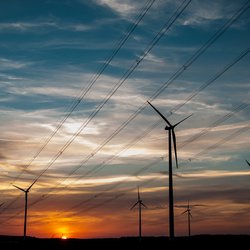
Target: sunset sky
[(75, 77)]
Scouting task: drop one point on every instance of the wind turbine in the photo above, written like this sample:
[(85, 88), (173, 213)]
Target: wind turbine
[(140, 204), (189, 215), (248, 163), (26, 204), (171, 134)]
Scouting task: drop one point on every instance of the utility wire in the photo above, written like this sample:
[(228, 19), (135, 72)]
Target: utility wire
[(222, 141), (164, 29), (236, 109), (92, 82)]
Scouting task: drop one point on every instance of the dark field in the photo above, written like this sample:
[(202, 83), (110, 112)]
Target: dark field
[(194, 242)]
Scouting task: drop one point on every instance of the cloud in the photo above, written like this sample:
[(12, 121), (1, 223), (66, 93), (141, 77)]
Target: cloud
[(25, 26), (38, 26), (123, 8), (206, 12), (215, 174), (47, 91), (8, 64)]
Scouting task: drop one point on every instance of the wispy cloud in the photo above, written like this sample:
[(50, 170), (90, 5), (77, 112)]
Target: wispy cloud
[(215, 174), (206, 12), (38, 26), (8, 64), (24, 26), (124, 8)]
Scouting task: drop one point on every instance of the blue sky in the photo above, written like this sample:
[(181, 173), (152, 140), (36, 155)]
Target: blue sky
[(50, 53)]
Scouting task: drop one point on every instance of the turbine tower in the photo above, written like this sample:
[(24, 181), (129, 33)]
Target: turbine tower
[(140, 204), (26, 206), (171, 134)]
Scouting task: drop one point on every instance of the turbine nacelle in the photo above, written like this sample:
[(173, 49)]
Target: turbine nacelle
[(168, 128)]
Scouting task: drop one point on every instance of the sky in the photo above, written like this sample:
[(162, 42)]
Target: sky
[(75, 78)]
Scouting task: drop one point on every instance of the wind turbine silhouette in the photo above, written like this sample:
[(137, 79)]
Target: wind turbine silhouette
[(248, 163), (171, 134), (140, 204), (189, 215), (26, 205)]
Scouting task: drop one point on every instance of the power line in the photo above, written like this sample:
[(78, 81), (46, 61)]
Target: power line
[(236, 109), (222, 141), (92, 82), (163, 30), (201, 50)]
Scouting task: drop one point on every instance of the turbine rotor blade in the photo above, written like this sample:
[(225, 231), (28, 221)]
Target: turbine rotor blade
[(1, 204), (175, 147), (143, 205), (162, 116), (184, 212), (31, 185), (248, 163), (138, 193), (182, 120), (134, 205), (19, 188)]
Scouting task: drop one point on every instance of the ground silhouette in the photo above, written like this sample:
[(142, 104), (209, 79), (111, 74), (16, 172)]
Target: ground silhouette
[(194, 242)]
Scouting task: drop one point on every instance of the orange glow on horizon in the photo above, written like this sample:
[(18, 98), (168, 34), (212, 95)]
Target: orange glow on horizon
[(64, 237)]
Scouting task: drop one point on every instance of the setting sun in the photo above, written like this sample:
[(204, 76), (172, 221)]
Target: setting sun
[(64, 237)]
